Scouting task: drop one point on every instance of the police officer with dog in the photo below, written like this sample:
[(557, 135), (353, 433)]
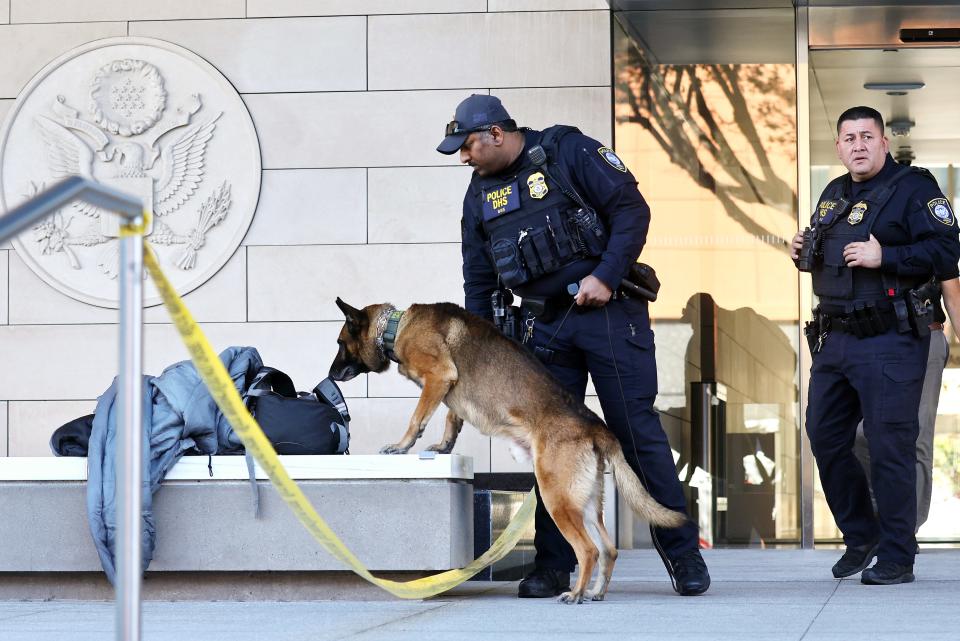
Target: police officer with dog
[(877, 235), (556, 217)]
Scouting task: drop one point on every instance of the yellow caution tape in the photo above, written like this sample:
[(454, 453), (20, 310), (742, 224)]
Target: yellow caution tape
[(222, 389)]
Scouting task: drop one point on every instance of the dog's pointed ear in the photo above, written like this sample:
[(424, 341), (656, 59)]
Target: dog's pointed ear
[(350, 312), (356, 319)]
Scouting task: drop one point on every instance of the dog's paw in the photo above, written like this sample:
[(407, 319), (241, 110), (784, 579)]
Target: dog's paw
[(440, 448), (393, 449), (570, 598), (589, 595)]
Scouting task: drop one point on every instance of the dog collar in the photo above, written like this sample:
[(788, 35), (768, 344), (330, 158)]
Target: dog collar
[(387, 327)]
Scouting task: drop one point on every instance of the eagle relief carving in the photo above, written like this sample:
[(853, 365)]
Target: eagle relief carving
[(134, 141), (149, 118)]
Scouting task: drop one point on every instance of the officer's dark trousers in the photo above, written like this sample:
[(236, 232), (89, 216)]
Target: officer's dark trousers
[(879, 379), (583, 335)]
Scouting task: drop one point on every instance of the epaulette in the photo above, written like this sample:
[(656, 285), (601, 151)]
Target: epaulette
[(551, 136), (923, 171)]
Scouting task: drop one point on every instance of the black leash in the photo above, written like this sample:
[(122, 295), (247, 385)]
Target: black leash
[(643, 477), (562, 321)]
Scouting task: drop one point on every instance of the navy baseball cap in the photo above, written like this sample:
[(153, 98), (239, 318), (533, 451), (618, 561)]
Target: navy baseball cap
[(476, 113)]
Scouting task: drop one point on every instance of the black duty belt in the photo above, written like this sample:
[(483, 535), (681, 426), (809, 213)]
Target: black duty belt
[(866, 321), (547, 308), (843, 308)]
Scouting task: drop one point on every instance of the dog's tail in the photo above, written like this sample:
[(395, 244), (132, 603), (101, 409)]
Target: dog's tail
[(633, 491)]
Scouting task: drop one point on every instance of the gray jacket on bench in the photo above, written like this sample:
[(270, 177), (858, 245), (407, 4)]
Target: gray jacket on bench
[(178, 414)]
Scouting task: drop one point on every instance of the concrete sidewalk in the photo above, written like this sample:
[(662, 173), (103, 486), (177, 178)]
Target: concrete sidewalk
[(756, 594)]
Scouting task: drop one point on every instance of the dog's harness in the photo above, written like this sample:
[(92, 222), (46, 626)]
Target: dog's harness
[(388, 324)]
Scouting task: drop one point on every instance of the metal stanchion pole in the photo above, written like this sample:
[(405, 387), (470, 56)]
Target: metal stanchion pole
[(129, 452), (130, 440)]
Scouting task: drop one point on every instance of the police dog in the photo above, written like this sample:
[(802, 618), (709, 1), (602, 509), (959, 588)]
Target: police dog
[(496, 385)]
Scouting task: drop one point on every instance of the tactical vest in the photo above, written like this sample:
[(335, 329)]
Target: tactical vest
[(843, 220), (534, 229)]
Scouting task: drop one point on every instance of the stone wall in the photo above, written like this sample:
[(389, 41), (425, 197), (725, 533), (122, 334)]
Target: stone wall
[(348, 98)]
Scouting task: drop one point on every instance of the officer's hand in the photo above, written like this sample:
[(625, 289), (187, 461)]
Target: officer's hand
[(796, 244), (863, 254), (593, 292)]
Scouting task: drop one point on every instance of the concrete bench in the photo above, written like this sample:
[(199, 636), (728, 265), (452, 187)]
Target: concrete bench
[(401, 515)]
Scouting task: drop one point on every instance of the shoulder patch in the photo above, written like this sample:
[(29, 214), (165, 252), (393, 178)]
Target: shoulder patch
[(612, 159), (940, 209)]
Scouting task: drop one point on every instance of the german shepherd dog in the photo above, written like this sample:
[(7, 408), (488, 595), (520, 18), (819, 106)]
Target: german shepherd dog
[(495, 384)]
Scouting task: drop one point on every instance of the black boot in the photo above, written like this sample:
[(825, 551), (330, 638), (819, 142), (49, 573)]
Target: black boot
[(887, 573), (544, 582), (689, 574), (854, 560)]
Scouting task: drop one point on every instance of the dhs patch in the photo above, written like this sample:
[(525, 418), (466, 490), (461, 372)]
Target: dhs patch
[(500, 200), (940, 209), (826, 210), (612, 159)]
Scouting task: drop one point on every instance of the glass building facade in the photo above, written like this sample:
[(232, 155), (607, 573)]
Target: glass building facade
[(726, 116)]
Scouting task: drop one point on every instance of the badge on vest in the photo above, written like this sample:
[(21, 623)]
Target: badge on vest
[(500, 200), (607, 154), (940, 209), (857, 213), (538, 185)]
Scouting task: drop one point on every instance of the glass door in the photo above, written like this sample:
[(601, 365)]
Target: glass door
[(706, 120), (921, 131), (867, 56)]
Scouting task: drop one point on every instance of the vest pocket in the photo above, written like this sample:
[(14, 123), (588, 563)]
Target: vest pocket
[(833, 281), (832, 278), (506, 257), (567, 242), (538, 253)]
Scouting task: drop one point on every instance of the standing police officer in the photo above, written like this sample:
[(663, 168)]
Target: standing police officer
[(879, 232), (544, 210)]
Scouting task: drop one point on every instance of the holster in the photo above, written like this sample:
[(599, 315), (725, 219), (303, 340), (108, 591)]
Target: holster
[(642, 280), (507, 317), (810, 331), (920, 311), (815, 329), (512, 326), (903, 316)]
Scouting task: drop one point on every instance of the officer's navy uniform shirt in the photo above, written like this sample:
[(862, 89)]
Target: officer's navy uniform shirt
[(612, 191), (915, 242)]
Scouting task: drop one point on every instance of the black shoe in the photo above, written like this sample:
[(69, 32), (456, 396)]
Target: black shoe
[(887, 573), (543, 583), (689, 574), (854, 560)]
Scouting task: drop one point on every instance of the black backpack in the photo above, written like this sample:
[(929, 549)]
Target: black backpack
[(317, 422)]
